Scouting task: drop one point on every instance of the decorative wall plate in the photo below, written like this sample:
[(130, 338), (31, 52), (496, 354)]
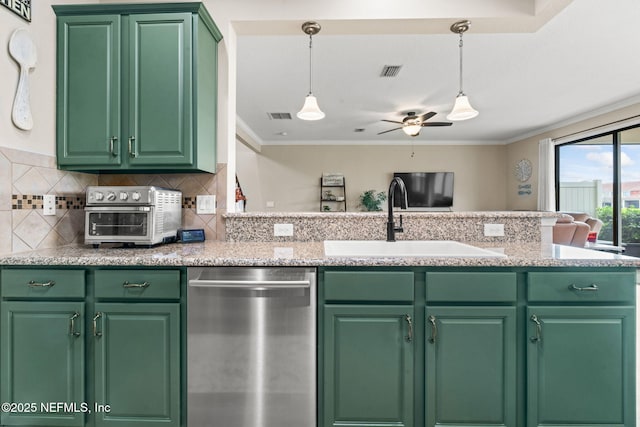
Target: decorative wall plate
[(523, 170)]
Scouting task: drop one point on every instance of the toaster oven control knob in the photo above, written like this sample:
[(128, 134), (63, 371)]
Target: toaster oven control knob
[(135, 196), (98, 196), (124, 196), (111, 196)]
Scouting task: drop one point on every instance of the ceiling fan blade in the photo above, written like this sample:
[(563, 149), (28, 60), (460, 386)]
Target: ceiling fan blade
[(391, 121), (427, 116), (390, 130), (436, 124)]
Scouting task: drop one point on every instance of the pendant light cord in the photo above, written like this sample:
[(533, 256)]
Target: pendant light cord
[(310, 62), (460, 45)]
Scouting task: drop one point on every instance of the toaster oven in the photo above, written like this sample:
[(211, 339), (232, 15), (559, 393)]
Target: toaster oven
[(132, 215)]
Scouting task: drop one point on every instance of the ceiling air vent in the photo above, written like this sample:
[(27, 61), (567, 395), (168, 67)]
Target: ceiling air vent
[(390, 70), (279, 116)]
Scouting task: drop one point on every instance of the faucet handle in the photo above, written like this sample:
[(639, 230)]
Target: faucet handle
[(399, 227)]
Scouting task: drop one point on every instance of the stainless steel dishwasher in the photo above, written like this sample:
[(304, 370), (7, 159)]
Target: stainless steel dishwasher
[(251, 350)]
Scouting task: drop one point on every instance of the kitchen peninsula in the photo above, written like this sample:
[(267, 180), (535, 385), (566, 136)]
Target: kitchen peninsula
[(432, 340)]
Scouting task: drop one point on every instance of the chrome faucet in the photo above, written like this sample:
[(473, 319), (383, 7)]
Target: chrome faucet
[(391, 225)]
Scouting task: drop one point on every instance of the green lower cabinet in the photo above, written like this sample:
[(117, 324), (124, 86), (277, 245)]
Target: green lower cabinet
[(470, 366), (43, 353), (581, 366), (368, 366), (137, 364)]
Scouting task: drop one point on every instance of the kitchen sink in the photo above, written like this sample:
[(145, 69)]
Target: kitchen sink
[(405, 248)]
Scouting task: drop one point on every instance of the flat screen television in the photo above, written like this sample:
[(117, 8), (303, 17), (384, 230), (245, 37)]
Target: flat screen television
[(426, 190)]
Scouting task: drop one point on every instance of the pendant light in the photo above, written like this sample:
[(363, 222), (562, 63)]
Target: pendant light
[(462, 109), (310, 109)]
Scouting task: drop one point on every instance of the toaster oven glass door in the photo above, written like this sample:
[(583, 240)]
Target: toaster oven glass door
[(118, 222)]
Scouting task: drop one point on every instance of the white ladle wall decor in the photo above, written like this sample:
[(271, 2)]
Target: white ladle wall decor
[(23, 51)]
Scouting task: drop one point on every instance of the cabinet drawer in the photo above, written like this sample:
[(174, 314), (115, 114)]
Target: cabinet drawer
[(471, 287), (36, 283), (138, 284), (368, 286), (581, 286)]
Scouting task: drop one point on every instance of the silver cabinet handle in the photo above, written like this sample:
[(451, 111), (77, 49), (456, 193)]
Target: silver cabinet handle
[(72, 324), (96, 332), (591, 288), (434, 329), (128, 285), (33, 284), (409, 336), (538, 336), (132, 147), (112, 145)]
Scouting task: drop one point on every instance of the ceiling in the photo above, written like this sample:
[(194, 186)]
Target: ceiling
[(583, 61)]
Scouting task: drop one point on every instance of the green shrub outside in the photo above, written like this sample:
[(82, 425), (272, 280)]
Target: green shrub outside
[(630, 224)]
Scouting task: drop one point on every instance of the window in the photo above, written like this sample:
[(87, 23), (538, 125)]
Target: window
[(600, 175)]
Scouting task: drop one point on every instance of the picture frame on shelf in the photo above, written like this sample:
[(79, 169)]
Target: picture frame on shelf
[(332, 179)]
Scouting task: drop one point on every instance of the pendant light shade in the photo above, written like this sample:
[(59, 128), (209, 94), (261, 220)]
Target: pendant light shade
[(462, 109), (310, 110)]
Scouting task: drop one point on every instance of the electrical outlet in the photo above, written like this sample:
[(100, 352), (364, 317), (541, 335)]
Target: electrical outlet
[(494, 230), (206, 204), (271, 204), (49, 204), (283, 230)]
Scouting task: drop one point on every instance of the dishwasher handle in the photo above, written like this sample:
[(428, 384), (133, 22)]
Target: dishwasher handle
[(251, 285)]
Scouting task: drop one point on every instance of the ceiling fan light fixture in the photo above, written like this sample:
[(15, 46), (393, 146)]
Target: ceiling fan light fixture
[(412, 129), (462, 109), (310, 109)]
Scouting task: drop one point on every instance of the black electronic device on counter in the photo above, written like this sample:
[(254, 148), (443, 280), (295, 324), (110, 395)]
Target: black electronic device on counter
[(191, 236)]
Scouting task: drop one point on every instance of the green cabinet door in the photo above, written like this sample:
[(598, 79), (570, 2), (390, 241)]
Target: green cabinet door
[(159, 67), (88, 91), (137, 364), (42, 362), (580, 366), (470, 366), (368, 366)]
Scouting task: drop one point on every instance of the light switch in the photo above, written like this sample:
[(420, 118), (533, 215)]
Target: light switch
[(206, 204)]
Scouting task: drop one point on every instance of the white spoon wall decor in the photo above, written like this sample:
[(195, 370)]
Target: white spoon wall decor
[(23, 51)]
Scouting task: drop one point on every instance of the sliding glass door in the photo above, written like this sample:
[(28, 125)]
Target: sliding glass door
[(601, 176)]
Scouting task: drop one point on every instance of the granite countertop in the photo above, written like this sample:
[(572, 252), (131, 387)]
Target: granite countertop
[(213, 253)]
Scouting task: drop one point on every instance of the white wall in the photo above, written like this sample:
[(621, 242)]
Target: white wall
[(41, 139), (289, 175)]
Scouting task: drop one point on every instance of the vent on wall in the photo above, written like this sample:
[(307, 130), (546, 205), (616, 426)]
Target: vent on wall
[(279, 116), (390, 70)]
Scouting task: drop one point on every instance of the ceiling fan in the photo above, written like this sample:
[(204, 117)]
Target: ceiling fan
[(412, 124)]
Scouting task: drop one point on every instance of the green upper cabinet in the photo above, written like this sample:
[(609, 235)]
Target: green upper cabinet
[(136, 87)]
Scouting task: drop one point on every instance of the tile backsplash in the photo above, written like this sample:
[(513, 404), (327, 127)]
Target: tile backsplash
[(25, 177)]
